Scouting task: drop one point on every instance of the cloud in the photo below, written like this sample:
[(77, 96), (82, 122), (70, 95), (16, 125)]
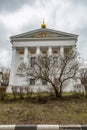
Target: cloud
[(14, 5), (4, 58), (18, 16)]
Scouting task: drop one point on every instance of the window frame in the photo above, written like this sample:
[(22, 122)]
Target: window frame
[(44, 82), (31, 79), (32, 61)]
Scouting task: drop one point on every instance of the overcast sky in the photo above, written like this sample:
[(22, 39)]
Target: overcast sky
[(18, 16)]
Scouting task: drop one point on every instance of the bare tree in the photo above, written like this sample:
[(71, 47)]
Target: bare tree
[(54, 70), (4, 83), (5, 77), (83, 78)]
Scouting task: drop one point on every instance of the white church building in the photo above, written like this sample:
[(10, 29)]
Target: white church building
[(27, 46)]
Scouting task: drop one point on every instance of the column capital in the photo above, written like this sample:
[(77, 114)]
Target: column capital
[(13, 47), (26, 47), (74, 47)]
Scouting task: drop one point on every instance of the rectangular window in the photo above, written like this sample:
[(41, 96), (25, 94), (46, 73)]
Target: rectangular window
[(55, 51), (21, 51), (32, 52), (66, 51), (32, 81), (44, 52), (44, 82), (32, 61)]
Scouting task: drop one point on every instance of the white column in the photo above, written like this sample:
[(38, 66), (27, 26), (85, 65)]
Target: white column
[(50, 52), (12, 71), (62, 51), (74, 48), (26, 55), (38, 52), (29, 57)]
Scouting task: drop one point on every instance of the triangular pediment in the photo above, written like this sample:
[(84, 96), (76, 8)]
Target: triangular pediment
[(43, 33)]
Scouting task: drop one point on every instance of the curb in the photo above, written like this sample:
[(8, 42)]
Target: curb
[(7, 127), (70, 127), (43, 127), (47, 127)]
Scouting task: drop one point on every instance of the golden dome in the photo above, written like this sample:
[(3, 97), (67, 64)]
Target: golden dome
[(43, 25)]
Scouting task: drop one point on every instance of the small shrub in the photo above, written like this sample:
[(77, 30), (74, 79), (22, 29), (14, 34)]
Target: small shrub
[(18, 91), (28, 91), (38, 94), (14, 91), (2, 92), (38, 97)]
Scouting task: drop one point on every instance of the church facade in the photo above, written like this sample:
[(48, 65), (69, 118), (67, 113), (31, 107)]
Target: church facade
[(26, 46)]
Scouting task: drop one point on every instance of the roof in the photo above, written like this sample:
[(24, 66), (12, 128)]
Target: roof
[(43, 33)]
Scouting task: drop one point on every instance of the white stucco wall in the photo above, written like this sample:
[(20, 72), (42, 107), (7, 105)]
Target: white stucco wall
[(54, 43)]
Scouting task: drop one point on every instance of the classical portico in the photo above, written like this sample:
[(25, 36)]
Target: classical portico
[(27, 46)]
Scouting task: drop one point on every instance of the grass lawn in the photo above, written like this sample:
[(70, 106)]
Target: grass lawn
[(67, 110)]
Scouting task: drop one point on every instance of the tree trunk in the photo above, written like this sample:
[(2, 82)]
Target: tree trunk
[(60, 92), (85, 86), (86, 90), (56, 94), (56, 90)]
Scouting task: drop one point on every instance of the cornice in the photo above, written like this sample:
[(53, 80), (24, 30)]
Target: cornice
[(42, 39)]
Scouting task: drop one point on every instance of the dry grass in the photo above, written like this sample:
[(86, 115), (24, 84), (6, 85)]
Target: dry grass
[(68, 110)]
